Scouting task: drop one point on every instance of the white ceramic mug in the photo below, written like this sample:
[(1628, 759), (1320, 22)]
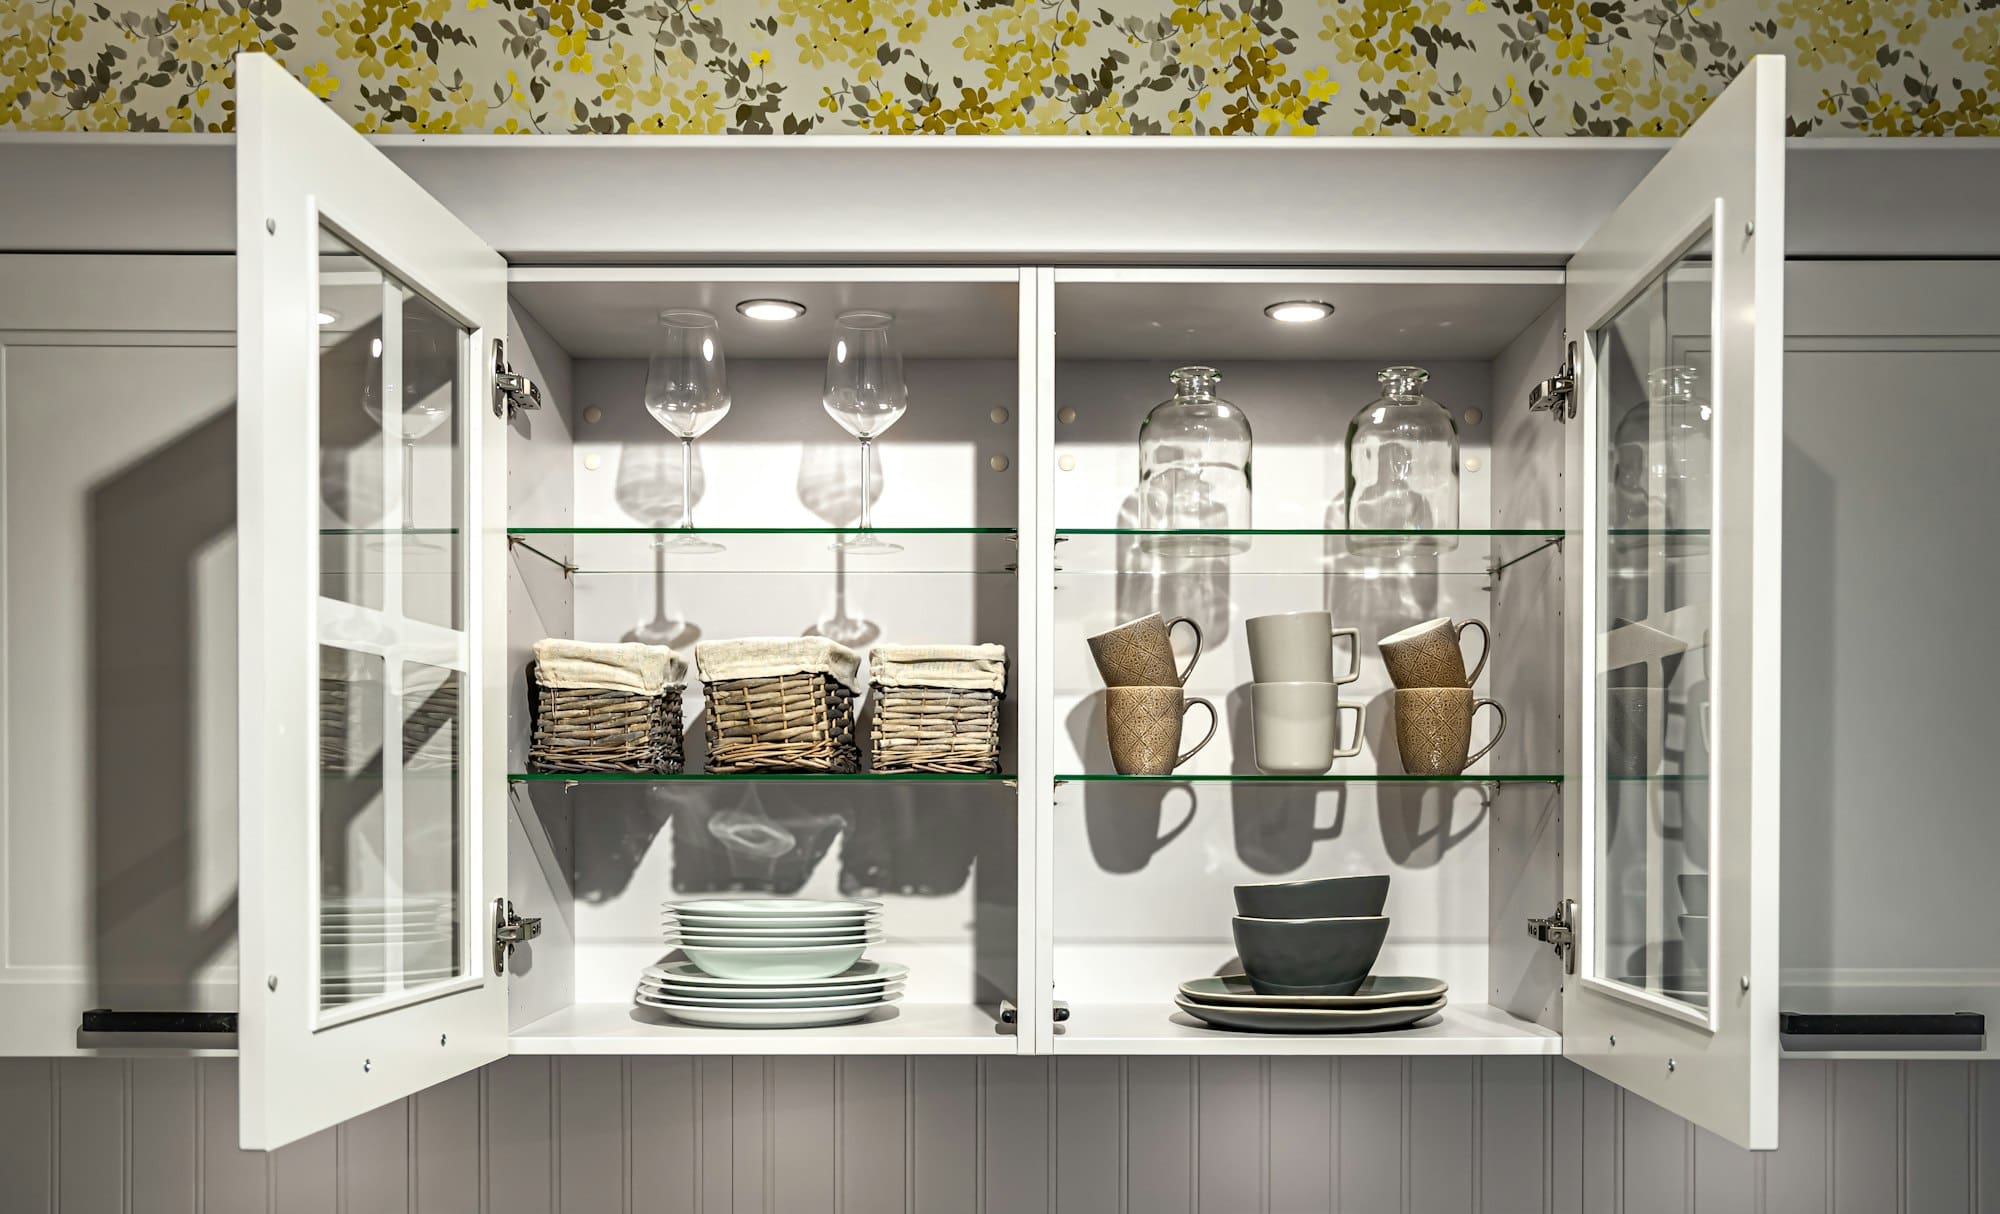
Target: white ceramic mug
[(1297, 646), (1297, 727)]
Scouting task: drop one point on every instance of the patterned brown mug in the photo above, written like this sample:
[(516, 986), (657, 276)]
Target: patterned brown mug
[(1434, 727), (1145, 728), (1140, 653), (1427, 654)]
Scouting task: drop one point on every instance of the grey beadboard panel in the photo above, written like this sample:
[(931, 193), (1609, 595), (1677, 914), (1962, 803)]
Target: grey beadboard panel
[(1937, 1126), (305, 1175), (1016, 1169), (715, 1142), (1370, 1134), (1603, 1144), (666, 1177), (520, 1134), (1443, 1137), (27, 1135), (872, 1137), (444, 1132), (165, 1102), (803, 1130), (1566, 1138), (1089, 1133), (1866, 1110), (1301, 1127), (90, 1123), (1987, 1147), (1511, 1099), (1725, 1176), (1160, 1149), (1795, 1175), (371, 1148), (233, 1180), (590, 1108), (1655, 1179), (750, 1132), (944, 1135), (1232, 1135)]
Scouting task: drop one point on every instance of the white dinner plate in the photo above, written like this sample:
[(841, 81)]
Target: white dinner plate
[(755, 994), (666, 999), (763, 928), (769, 922), (688, 974), (684, 939), (767, 1018), (770, 907)]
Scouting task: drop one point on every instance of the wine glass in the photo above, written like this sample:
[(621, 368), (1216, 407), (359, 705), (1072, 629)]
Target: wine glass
[(865, 394), (687, 391)]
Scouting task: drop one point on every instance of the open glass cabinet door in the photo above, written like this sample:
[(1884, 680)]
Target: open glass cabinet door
[(371, 486), (1675, 449)]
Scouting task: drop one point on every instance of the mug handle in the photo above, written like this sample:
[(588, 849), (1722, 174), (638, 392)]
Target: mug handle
[(1493, 741), (1193, 657), (1360, 712), (1485, 647), (1213, 721), (1353, 656)]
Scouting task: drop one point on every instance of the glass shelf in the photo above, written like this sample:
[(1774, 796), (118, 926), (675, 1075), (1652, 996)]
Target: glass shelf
[(1317, 553), (1336, 778), (772, 550), (757, 777)]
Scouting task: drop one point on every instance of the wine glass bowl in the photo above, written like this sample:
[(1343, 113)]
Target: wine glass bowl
[(687, 391), (865, 394)]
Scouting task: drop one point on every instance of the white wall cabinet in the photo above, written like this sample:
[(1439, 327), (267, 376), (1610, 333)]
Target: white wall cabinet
[(390, 582)]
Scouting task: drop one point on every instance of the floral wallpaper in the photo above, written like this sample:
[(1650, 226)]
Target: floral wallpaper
[(1180, 67)]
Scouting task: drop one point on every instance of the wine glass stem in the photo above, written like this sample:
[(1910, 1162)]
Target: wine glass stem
[(687, 484), (409, 485), (867, 474)]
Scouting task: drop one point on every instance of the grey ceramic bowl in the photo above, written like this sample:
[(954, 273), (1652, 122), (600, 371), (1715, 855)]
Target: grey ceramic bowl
[(1321, 898), (1308, 956)]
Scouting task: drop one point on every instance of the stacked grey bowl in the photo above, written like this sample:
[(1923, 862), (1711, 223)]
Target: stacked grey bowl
[(1308, 949)]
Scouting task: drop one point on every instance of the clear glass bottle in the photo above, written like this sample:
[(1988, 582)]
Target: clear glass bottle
[(1194, 469), (1402, 469), (1663, 465)]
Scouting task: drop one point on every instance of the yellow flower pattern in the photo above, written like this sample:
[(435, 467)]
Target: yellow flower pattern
[(1179, 67)]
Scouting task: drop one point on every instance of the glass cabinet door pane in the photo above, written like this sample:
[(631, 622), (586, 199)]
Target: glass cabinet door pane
[(1653, 625), (392, 828)]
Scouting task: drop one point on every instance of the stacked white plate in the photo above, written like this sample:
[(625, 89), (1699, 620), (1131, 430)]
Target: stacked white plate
[(360, 938), (771, 963)]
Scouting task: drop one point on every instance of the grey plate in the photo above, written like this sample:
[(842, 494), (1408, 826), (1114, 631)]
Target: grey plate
[(1377, 991), (1310, 1020)]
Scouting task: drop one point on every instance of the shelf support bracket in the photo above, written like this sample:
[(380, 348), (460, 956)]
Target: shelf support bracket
[(568, 570)]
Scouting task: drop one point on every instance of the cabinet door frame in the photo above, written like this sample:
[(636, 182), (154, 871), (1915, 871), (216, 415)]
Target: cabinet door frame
[(1717, 1066), (298, 165)]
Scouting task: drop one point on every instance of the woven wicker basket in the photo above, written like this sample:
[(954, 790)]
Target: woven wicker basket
[(579, 729), (789, 722), (944, 729), (931, 712)]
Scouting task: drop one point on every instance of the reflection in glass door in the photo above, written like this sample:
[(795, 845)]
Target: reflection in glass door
[(392, 832), (1654, 617)]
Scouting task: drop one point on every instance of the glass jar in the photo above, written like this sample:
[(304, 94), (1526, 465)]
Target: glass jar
[(1662, 465), (1402, 470), (1194, 469)]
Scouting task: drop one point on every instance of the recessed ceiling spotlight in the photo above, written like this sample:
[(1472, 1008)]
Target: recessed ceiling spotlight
[(771, 309), (1299, 311), (325, 317)]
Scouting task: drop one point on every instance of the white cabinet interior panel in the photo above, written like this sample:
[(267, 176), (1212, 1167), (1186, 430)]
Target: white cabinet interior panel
[(942, 1135), (117, 641)]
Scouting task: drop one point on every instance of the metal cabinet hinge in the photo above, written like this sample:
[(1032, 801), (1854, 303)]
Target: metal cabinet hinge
[(1558, 931), (512, 391), (510, 929), (1009, 1014), (1556, 395)]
